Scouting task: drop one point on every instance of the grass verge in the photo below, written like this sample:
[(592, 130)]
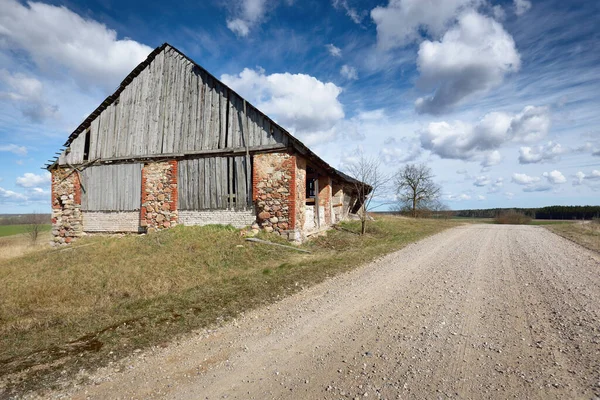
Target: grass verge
[(62, 310), (586, 233)]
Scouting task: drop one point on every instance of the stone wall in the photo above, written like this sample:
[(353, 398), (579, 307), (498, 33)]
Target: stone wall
[(325, 200), (67, 224), (300, 193), (116, 221), (235, 218), (274, 192), (159, 196)]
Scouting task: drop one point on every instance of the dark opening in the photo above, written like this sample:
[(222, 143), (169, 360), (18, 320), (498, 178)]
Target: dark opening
[(311, 177), (86, 146)]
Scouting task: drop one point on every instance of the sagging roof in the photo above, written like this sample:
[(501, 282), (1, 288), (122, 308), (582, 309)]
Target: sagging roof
[(296, 144)]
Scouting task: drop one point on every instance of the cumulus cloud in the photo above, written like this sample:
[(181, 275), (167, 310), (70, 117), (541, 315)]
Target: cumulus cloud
[(301, 103), (496, 186), (472, 57), (402, 21), (581, 177), (524, 179), (465, 141), (458, 197), (537, 188), (351, 12), (247, 14), (555, 177), (401, 150), (349, 72), (509, 195), (549, 152), (490, 159), (56, 36), (13, 148), (30, 180), (26, 93), (482, 180), (333, 50), (522, 6), (8, 196)]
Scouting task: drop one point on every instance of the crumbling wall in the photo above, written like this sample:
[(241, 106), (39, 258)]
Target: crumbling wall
[(159, 196), (274, 193), (67, 223), (300, 193), (325, 200)]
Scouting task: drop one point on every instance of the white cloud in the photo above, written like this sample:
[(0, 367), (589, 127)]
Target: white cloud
[(550, 152), (333, 50), (349, 72), (248, 14), (480, 198), (509, 195), (13, 148), (472, 57), (522, 6), (492, 158), (301, 103), (537, 188), (524, 179), (498, 12), (56, 36), (465, 141), (402, 150), (30, 180), (401, 21), (8, 196), (496, 186), (580, 177), (482, 180), (457, 198), (351, 12), (38, 194), (26, 93), (555, 177)]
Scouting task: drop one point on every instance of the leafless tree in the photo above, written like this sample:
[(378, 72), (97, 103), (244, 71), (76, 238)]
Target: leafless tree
[(370, 181), (35, 223), (415, 187)]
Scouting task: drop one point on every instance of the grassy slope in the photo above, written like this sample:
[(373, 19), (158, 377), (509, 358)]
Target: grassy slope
[(587, 235), (9, 230), (110, 294)]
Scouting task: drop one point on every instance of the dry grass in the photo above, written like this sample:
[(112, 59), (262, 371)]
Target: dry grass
[(585, 233), (20, 244), (110, 294)]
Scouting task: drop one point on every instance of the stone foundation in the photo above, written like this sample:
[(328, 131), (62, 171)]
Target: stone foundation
[(159, 196), (67, 223), (274, 192)]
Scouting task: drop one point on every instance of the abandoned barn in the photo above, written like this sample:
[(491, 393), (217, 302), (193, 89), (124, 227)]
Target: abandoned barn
[(174, 145)]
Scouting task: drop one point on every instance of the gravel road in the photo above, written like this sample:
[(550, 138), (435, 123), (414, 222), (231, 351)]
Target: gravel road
[(479, 311)]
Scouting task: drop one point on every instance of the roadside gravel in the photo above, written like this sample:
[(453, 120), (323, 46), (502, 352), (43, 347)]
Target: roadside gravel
[(479, 311)]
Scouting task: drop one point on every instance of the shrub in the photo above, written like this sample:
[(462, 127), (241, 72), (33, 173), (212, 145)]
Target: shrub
[(512, 217)]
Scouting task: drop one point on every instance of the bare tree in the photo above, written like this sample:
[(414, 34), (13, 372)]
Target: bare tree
[(35, 223), (415, 187), (370, 180)]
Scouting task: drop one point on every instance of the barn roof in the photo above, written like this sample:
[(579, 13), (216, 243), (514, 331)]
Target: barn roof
[(296, 144)]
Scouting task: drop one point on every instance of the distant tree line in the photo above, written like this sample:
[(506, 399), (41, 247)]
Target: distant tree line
[(551, 212), (22, 219)]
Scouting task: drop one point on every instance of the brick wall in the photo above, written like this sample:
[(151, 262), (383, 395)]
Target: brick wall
[(274, 192), (117, 221), (235, 218), (159, 196), (66, 206)]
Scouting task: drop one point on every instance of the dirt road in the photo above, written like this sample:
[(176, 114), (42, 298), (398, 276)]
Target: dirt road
[(480, 311)]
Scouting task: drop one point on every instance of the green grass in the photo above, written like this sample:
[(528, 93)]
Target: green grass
[(109, 294), (586, 234), (549, 222), (9, 230)]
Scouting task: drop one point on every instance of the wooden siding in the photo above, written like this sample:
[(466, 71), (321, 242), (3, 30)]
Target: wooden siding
[(214, 183), (173, 107), (112, 187)]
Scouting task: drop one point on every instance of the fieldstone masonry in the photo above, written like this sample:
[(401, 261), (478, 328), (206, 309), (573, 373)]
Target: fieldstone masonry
[(67, 219), (274, 190), (159, 196)]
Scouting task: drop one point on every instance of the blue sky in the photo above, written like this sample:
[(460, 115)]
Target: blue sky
[(499, 98)]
